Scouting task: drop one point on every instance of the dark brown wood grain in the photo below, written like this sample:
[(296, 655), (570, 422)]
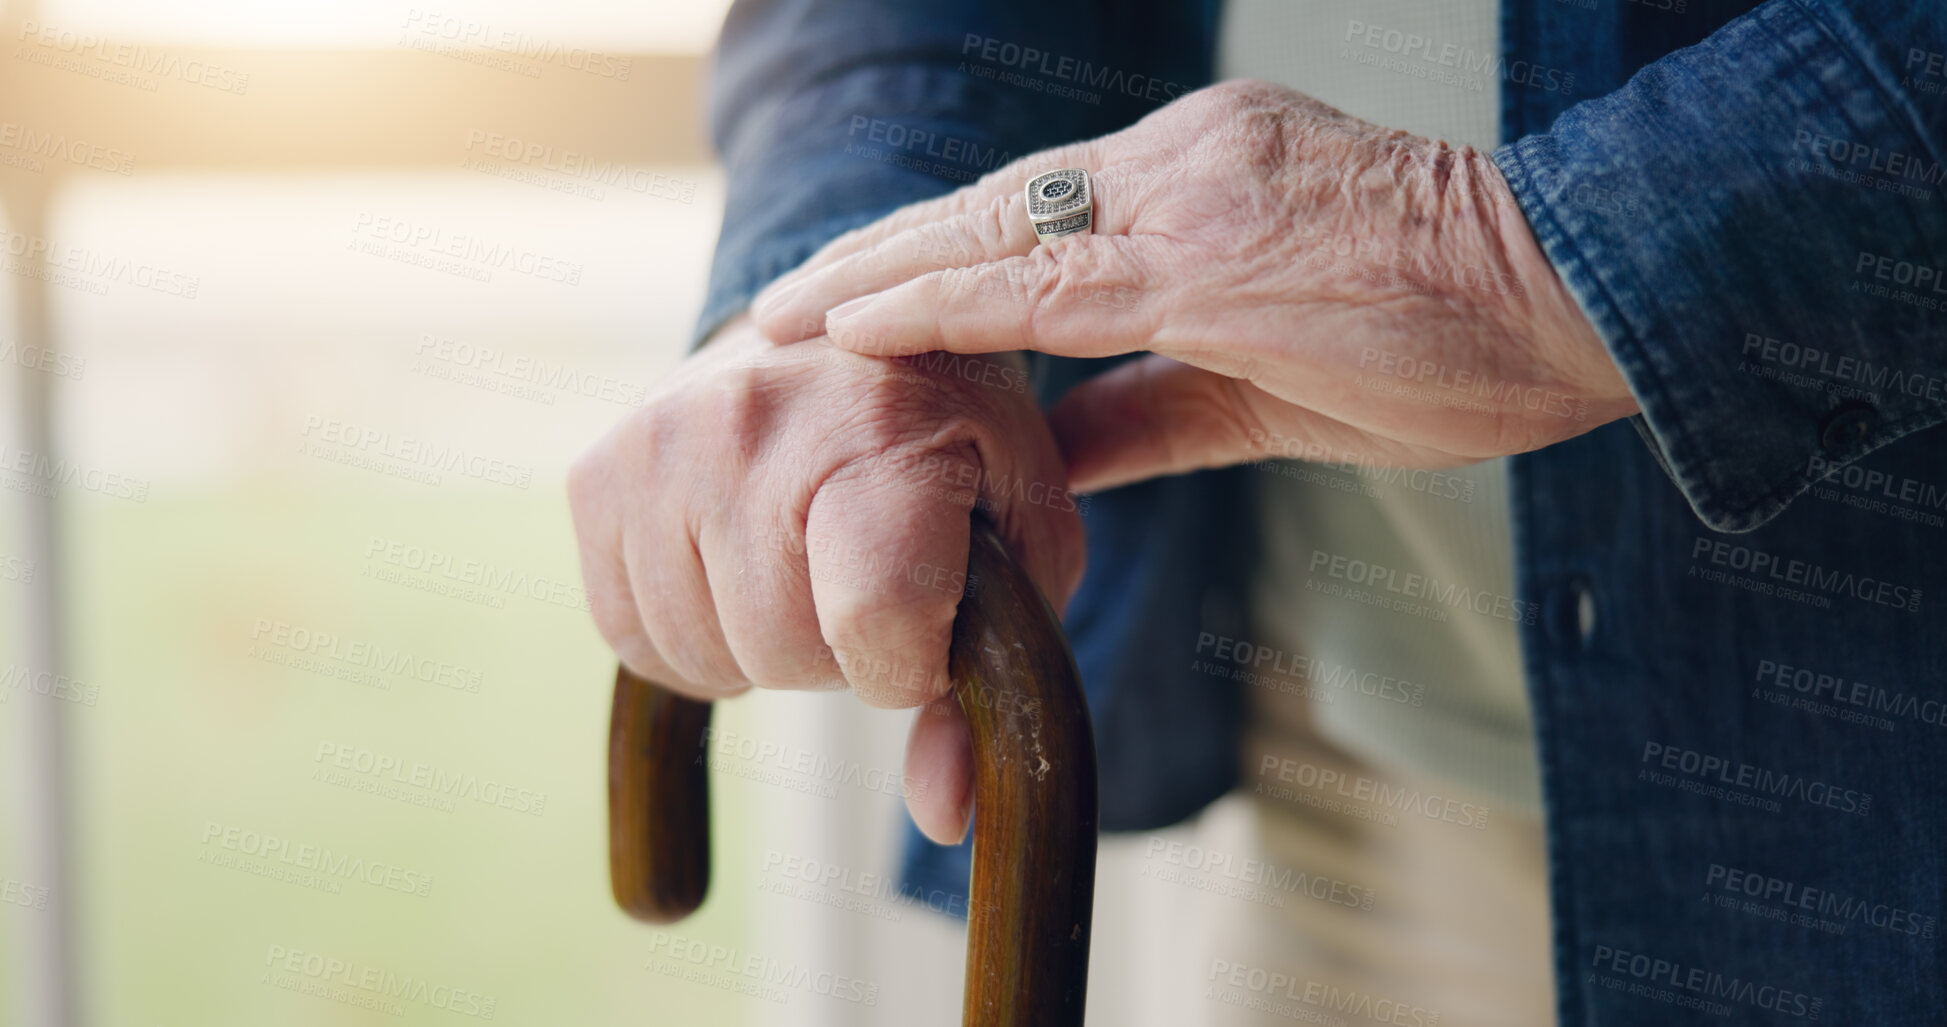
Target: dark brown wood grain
[(658, 801), (1035, 800)]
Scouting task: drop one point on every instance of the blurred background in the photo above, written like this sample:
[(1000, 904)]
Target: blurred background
[(307, 308)]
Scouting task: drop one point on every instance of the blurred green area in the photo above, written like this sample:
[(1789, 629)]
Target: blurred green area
[(13, 919), (194, 737)]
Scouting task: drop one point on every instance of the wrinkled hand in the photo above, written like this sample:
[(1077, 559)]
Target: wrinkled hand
[(1308, 284), (799, 517)]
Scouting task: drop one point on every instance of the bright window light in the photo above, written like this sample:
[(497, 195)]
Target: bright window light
[(613, 26)]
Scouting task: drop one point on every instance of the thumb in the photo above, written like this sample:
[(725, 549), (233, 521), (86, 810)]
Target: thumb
[(1154, 416), (939, 771)]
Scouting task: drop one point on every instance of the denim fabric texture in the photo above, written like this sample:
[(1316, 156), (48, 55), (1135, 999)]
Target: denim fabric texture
[(1739, 674)]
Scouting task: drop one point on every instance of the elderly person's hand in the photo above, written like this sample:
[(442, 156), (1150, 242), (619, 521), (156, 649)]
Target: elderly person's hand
[(1308, 283), (799, 517)]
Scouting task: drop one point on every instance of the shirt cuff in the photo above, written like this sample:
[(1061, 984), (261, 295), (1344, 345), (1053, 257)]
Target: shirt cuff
[(1750, 227)]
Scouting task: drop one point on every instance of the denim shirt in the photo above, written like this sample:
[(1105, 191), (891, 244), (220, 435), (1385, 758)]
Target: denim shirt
[(1738, 670)]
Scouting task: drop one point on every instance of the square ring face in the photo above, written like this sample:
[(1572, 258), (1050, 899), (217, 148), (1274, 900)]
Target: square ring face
[(1058, 194)]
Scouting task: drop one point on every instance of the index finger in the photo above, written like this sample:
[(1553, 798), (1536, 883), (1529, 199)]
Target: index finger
[(993, 186), (999, 230)]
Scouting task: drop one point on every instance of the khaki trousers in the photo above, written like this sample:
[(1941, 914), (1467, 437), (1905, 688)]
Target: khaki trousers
[(1407, 914)]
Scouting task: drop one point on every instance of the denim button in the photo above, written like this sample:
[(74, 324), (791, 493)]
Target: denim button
[(1572, 611), (1847, 426)]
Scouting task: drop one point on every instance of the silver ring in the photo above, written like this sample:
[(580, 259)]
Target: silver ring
[(1061, 203)]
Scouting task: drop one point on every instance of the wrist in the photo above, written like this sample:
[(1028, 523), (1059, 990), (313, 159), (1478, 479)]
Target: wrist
[(1547, 313)]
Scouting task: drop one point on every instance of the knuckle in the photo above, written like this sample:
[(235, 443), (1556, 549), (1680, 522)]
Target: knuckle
[(943, 243), (1249, 120), (767, 667), (846, 241), (989, 226), (956, 281), (1041, 276), (926, 475), (645, 435), (962, 282), (775, 643), (713, 671), (586, 478), (734, 404), (1053, 274), (859, 621), (1231, 416), (1011, 175), (619, 623), (1083, 262), (809, 326), (640, 658), (1211, 411), (1245, 94), (879, 258), (888, 416)]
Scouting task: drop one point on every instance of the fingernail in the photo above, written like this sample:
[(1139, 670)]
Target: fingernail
[(847, 309), (966, 817)]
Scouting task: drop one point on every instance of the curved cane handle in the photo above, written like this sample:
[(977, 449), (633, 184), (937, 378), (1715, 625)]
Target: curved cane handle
[(658, 801), (1033, 885), (1035, 798)]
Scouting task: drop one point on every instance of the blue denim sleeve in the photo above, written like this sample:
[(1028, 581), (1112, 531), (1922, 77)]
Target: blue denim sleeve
[(1757, 229), (829, 114)]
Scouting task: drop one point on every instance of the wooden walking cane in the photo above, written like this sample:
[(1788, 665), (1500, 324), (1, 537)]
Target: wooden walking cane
[(1034, 800)]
